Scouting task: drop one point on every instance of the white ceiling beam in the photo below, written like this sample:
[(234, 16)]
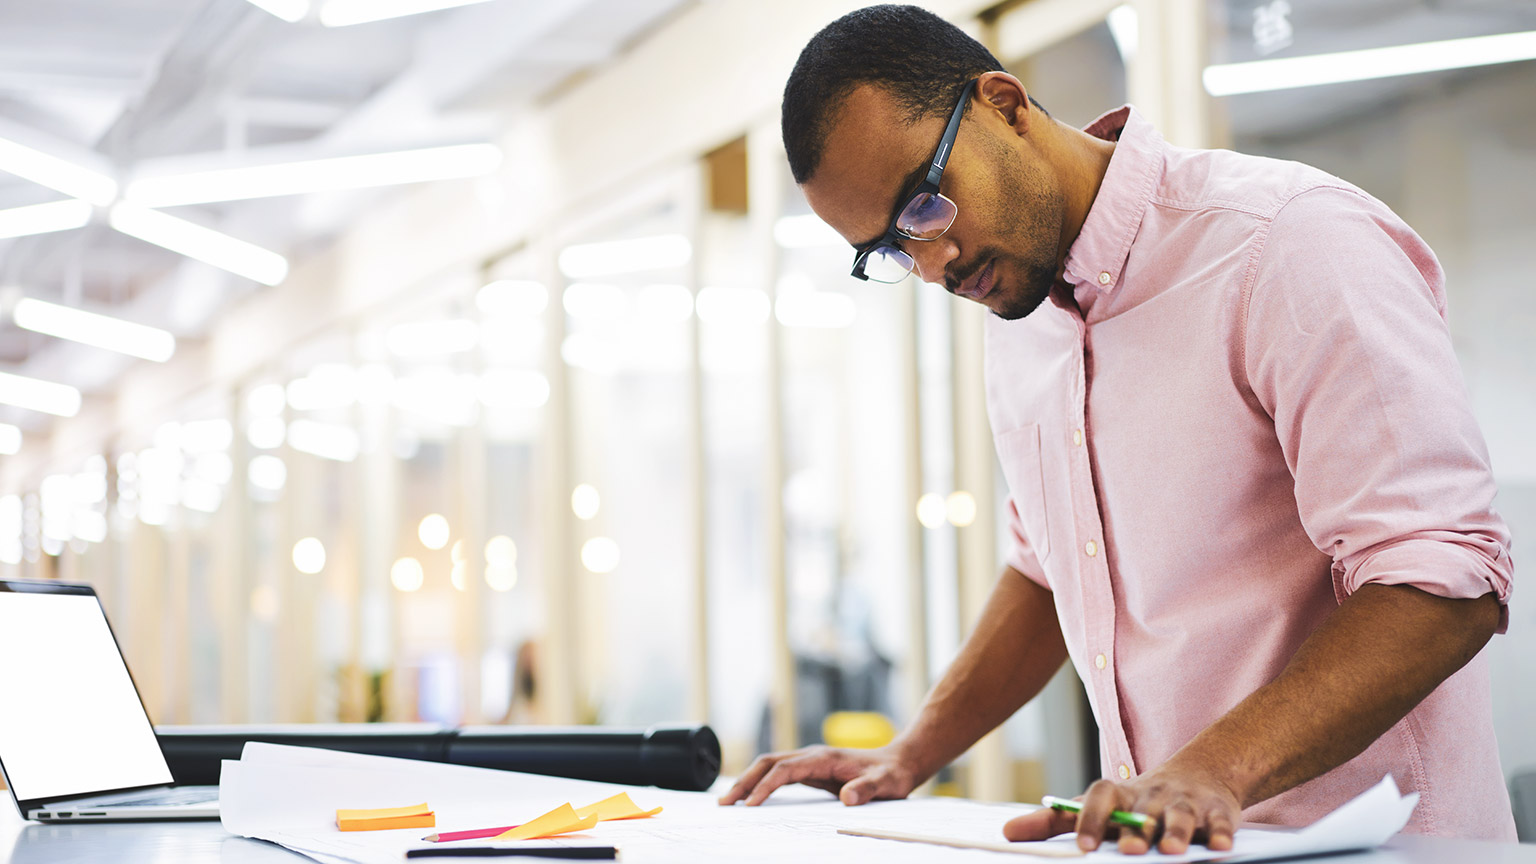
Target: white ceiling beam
[(452, 56), (32, 81), (289, 113)]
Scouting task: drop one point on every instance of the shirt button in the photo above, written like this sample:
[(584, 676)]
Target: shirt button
[(1125, 772), (1092, 548), (1104, 278), (1077, 437), (1100, 661)]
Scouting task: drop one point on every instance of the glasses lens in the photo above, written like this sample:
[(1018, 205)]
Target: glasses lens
[(926, 216), (887, 264)]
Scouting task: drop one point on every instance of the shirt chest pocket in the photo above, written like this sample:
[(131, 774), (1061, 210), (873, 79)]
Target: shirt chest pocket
[(1019, 452)]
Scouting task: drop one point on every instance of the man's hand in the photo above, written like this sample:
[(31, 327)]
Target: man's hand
[(1187, 804), (854, 776)]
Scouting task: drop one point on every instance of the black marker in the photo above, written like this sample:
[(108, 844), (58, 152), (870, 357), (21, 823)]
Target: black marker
[(604, 853)]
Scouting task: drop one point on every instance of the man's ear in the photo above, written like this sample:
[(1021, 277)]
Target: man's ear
[(1005, 95)]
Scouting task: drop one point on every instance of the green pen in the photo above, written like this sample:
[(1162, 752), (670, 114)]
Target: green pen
[(1133, 820)]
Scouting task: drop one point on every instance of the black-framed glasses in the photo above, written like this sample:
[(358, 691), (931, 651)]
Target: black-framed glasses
[(925, 215)]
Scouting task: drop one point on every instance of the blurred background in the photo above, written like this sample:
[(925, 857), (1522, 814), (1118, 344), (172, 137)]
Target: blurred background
[(481, 362)]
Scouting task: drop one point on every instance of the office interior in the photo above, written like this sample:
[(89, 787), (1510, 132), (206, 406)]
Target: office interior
[(596, 428)]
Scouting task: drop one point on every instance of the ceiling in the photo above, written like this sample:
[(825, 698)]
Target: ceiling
[(152, 86), (1324, 26)]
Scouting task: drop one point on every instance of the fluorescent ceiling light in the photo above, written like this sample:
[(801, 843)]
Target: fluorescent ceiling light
[(591, 352), (266, 433), (1289, 72), (267, 473), (326, 440), (316, 175), (10, 440), (44, 218), (432, 338), (816, 309), (439, 395), (732, 306), (328, 385), (207, 436), (593, 301), (204, 244), (512, 297), (292, 11), (88, 525), (77, 325), (58, 174), (665, 304), (513, 388), (588, 260), (1125, 29), (343, 13), (60, 400), (805, 232)]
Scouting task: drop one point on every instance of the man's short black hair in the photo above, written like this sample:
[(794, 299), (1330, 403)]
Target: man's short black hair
[(919, 58)]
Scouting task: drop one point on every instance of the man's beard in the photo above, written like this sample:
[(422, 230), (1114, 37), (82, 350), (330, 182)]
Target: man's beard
[(1032, 210), (1032, 289)]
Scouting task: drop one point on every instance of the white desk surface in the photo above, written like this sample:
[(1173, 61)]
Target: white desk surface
[(205, 842)]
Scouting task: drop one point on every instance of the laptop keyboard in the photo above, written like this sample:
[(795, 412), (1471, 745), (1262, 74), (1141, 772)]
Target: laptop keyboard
[(169, 797)]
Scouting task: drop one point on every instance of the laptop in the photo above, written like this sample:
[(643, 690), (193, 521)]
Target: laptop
[(76, 744)]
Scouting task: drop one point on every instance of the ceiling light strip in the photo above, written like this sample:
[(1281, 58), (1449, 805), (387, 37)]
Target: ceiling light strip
[(61, 175), (89, 328), (60, 400), (1259, 76), (204, 244), (317, 175), (44, 218), (344, 13), (292, 11)]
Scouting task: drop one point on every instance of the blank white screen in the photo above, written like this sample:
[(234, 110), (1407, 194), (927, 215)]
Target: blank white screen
[(70, 721)]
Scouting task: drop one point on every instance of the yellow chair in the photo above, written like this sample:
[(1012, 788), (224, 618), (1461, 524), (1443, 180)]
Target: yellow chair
[(859, 730)]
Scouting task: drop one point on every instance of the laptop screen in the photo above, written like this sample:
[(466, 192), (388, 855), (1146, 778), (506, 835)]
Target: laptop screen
[(71, 722)]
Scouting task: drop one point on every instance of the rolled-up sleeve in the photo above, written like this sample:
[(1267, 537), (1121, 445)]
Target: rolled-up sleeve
[(1347, 349), (1020, 557)]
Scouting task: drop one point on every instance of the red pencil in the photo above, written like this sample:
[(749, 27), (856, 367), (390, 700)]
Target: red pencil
[(466, 835)]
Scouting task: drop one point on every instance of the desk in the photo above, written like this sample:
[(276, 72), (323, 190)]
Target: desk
[(208, 843)]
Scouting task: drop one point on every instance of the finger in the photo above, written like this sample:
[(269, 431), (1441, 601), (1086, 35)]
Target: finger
[(1042, 824), (1133, 842), (750, 779), (1218, 831), (1179, 823), (1093, 825), (1152, 802), (832, 786), (877, 782), (861, 789), (787, 771)]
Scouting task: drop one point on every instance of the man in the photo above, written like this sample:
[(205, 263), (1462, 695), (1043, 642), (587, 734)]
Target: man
[(1248, 498)]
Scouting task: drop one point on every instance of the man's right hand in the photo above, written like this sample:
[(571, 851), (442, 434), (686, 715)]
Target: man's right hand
[(854, 776)]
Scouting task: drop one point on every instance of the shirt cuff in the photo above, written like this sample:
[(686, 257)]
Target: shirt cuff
[(1443, 563)]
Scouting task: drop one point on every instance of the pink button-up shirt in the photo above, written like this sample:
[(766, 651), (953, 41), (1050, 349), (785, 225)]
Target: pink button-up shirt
[(1260, 413)]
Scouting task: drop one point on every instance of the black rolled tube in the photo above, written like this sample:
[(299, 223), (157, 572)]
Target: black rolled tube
[(672, 757)]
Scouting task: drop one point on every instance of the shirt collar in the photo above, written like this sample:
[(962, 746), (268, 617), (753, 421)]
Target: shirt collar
[(1098, 254)]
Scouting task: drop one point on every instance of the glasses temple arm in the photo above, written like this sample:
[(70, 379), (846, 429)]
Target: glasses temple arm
[(947, 143)]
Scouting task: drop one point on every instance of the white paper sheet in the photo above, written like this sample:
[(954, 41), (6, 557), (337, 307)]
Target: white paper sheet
[(289, 795)]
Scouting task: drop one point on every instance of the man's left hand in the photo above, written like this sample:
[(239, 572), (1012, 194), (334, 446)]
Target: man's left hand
[(1187, 805)]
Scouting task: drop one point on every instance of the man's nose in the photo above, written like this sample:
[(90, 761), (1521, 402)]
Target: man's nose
[(932, 257)]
